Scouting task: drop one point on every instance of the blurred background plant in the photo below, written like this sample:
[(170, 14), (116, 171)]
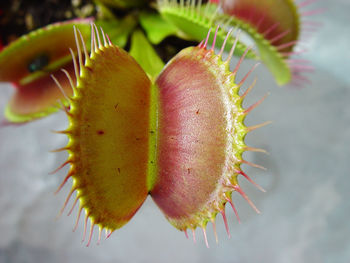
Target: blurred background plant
[(152, 31)]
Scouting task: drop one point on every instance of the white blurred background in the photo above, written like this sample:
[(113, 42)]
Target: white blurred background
[(305, 212)]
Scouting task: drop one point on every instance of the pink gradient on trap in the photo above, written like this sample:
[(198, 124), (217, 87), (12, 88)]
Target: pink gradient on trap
[(273, 27), (191, 137), (273, 19), (40, 94)]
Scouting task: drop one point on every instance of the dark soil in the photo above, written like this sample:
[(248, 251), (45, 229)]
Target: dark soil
[(17, 17)]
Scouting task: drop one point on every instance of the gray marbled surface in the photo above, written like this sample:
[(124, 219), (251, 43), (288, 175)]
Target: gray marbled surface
[(305, 212)]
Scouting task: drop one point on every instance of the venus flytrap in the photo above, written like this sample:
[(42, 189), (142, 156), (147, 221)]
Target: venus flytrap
[(178, 137)]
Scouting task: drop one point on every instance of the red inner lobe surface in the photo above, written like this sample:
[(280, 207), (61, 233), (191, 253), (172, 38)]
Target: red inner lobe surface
[(270, 18), (191, 143), (55, 45), (41, 94), (260, 21)]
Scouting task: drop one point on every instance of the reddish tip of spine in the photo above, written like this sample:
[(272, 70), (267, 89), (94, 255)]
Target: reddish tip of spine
[(256, 104), (252, 128), (232, 50), (302, 79), (99, 235), (59, 150), (234, 209), (279, 36), (66, 202), (194, 236), (314, 12), (254, 165), (215, 233), (109, 40), (234, 72), (249, 89), (248, 74), (270, 29), (90, 234), (303, 68), (223, 213), (250, 180), (109, 234), (186, 234), (60, 132), (205, 237), (253, 149), (200, 45), (73, 206), (77, 220), (207, 38), (85, 227), (60, 167), (286, 45), (70, 173), (306, 3), (214, 40), (224, 43), (243, 194)]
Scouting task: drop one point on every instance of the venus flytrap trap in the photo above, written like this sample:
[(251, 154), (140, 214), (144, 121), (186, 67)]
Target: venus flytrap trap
[(179, 138), (200, 137), (275, 27), (27, 63)]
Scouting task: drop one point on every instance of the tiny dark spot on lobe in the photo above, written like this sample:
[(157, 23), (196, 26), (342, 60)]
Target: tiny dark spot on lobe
[(100, 132)]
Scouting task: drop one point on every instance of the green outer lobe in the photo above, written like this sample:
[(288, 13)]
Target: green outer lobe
[(275, 63), (109, 136), (17, 118), (195, 27)]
